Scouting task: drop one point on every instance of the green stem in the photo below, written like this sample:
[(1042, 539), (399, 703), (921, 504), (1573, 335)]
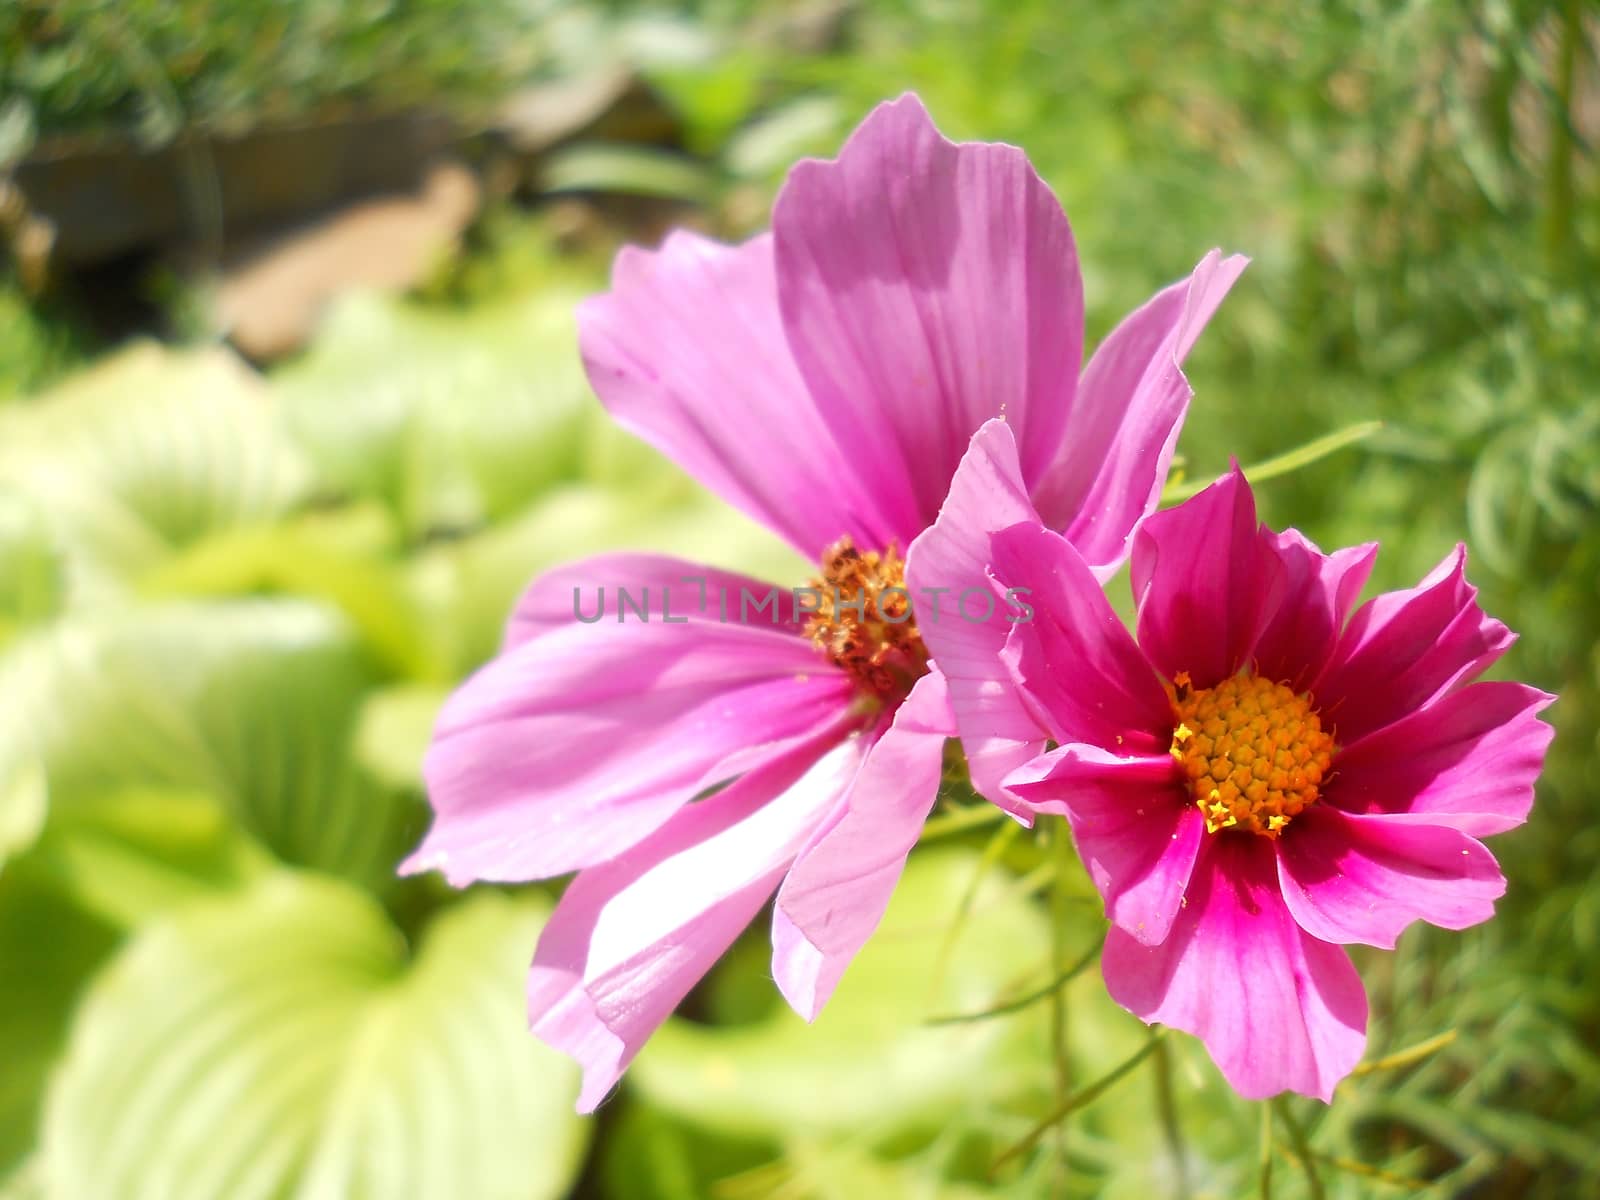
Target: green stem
[(1302, 1150), (1077, 1100), (1060, 913), (1172, 1130)]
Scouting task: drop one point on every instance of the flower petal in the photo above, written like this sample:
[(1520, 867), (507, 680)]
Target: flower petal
[(926, 287), (1404, 648), (1124, 423), (1206, 579), (1468, 760), (631, 937), (575, 745), (1347, 878), (1075, 662), (1276, 1008), (687, 351), (614, 589), (1135, 834), (838, 889), (1319, 592), (998, 731)]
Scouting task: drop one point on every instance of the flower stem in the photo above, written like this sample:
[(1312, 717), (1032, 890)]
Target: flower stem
[(1302, 1150), (1166, 1106)]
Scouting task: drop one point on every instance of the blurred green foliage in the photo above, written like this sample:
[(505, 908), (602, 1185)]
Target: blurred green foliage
[(230, 604)]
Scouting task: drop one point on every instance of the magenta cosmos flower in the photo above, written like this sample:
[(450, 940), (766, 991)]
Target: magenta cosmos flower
[(1256, 781), (825, 378)]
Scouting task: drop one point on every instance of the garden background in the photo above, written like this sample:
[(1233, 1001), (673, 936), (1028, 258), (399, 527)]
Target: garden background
[(290, 409)]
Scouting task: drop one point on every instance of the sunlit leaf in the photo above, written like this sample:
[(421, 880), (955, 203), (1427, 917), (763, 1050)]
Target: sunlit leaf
[(146, 452), (252, 702), (281, 1044)]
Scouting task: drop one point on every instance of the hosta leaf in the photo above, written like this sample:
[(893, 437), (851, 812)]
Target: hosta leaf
[(48, 949), (449, 419), (32, 574), (250, 701), (280, 1044), (148, 451)]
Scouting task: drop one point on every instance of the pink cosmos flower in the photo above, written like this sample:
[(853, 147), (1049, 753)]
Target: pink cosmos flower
[(826, 379), (1257, 780)]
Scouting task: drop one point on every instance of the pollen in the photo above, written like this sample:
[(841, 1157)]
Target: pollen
[(864, 623), (1253, 752)]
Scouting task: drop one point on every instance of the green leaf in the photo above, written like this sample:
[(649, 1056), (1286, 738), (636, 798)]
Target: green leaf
[(33, 582), (252, 702), (395, 727), (148, 451), (870, 1064), (48, 949), (281, 1044), (449, 419), (630, 170)]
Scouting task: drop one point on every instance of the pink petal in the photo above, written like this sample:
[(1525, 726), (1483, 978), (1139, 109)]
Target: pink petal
[(688, 352), (927, 287), (612, 588), (1276, 1008), (1319, 592), (998, 731), (1206, 578), (838, 889), (577, 744), (1124, 423), (1075, 662), (1468, 760), (1135, 833), (1364, 879), (1404, 648), (631, 937)]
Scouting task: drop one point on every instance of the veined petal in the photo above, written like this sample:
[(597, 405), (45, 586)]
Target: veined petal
[(927, 287), (1468, 760), (1124, 423), (1206, 579), (1135, 833), (1347, 878), (614, 588), (838, 889), (577, 744), (998, 731), (631, 937), (1319, 592), (1404, 648), (687, 351), (1076, 664), (1277, 1009)]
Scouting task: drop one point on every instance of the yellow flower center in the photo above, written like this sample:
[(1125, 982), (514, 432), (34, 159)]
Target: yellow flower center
[(1253, 752), (863, 621)]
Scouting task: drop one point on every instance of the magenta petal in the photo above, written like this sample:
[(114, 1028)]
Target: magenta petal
[(612, 589), (839, 887), (1364, 879), (1074, 660), (1468, 760), (1276, 1008), (1206, 579), (1124, 423), (927, 287), (631, 937), (1135, 834), (1403, 648), (998, 731), (1319, 592), (575, 745), (688, 351)]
